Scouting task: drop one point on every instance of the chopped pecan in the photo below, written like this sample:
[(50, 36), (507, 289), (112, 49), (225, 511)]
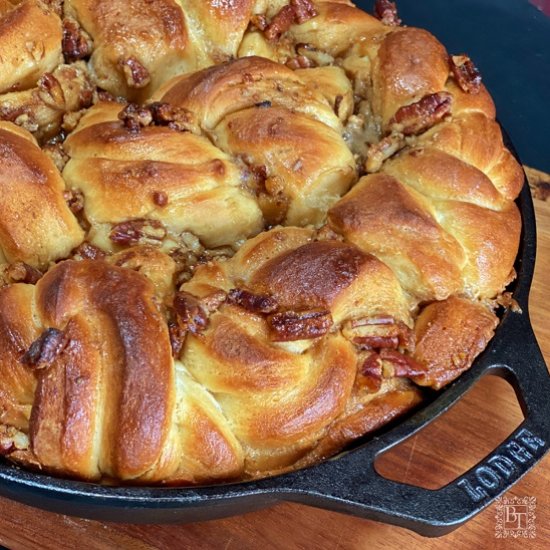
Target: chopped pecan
[(465, 73), (507, 301), (403, 365), (420, 116), (256, 303), (50, 91), (326, 233), (298, 11), (280, 23), (303, 10), (6, 446), (20, 272), (370, 372), (77, 43), (190, 314), (299, 325), (88, 251), (74, 199), (135, 117), (140, 231), (57, 154), (318, 58), (299, 62), (177, 118), (11, 439), (380, 332), (386, 11), (160, 198), (383, 150), (43, 351), (103, 95), (177, 337), (136, 75)]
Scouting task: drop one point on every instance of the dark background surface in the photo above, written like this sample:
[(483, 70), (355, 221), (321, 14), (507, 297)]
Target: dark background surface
[(509, 41)]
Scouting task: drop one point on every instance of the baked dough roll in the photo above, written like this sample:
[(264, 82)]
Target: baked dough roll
[(36, 225), (151, 185)]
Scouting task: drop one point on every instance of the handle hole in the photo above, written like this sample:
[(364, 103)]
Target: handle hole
[(457, 440)]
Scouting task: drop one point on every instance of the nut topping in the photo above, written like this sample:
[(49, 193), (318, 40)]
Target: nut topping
[(256, 303), (43, 351), (74, 199), (136, 75), (299, 325), (386, 11), (20, 272), (77, 43), (190, 314), (465, 73), (88, 251), (141, 231), (298, 11), (421, 116)]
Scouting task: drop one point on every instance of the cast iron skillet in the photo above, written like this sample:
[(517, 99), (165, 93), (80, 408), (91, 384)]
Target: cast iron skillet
[(349, 482)]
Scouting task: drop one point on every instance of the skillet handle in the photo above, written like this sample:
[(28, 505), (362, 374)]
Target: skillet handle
[(354, 487)]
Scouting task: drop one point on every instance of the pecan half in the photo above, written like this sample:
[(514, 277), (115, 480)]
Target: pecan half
[(20, 272), (297, 11), (74, 199), (76, 43), (465, 73), (190, 314), (370, 372), (298, 325), (280, 23), (386, 11), (299, 62), (381, 332), (88, 251), (404, 366), (420, 116), (140, 231), (43, 351), (256, 303), (136, 75)]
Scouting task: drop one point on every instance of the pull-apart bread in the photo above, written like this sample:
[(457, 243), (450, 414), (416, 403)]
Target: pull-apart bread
[(236, 236)]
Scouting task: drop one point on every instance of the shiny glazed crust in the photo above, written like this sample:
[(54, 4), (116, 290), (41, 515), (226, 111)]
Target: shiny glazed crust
[(306, 216)]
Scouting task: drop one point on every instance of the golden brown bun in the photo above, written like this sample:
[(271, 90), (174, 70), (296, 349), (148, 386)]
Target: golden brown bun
[(193, 177), (263, 113), (138, 45), (282, 397), (26, 54), (309, 218), (36, 226), (36, 88)]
